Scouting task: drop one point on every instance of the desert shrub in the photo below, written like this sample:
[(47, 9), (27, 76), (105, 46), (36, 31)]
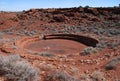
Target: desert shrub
[(15, 70), (88, 50), (113, 63), (25, 32), (94, 76), (46, 54), (33, 32), (85, 77), (80, 28), (8, 31), (101, 45), (59, 76), (113, 45), (98, 31), (102, 31), (97, 76), (114, 32)]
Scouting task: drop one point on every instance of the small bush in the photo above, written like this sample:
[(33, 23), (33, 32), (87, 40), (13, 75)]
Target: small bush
[(97, 76), (113, 45), (101, 45), (88, 50), (114, 32), (46, 54), (85, 77), (113, 63), (15, 70), (59, 76)]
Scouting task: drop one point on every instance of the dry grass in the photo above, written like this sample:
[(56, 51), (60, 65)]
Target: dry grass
[(88, 50), (59, 76), (15, 70)]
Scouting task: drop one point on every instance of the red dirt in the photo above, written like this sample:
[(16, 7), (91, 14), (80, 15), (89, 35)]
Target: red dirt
[(56, 46), (21, 32)]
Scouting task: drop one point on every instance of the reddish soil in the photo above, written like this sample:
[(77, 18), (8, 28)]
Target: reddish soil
[(65, 33), (56, 46)]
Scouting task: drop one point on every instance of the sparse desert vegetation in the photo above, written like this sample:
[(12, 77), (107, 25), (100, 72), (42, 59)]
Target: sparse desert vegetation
[(15, 70), (95, 76), (59, 76), (60, 44), (113, 63), (88, 50)]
